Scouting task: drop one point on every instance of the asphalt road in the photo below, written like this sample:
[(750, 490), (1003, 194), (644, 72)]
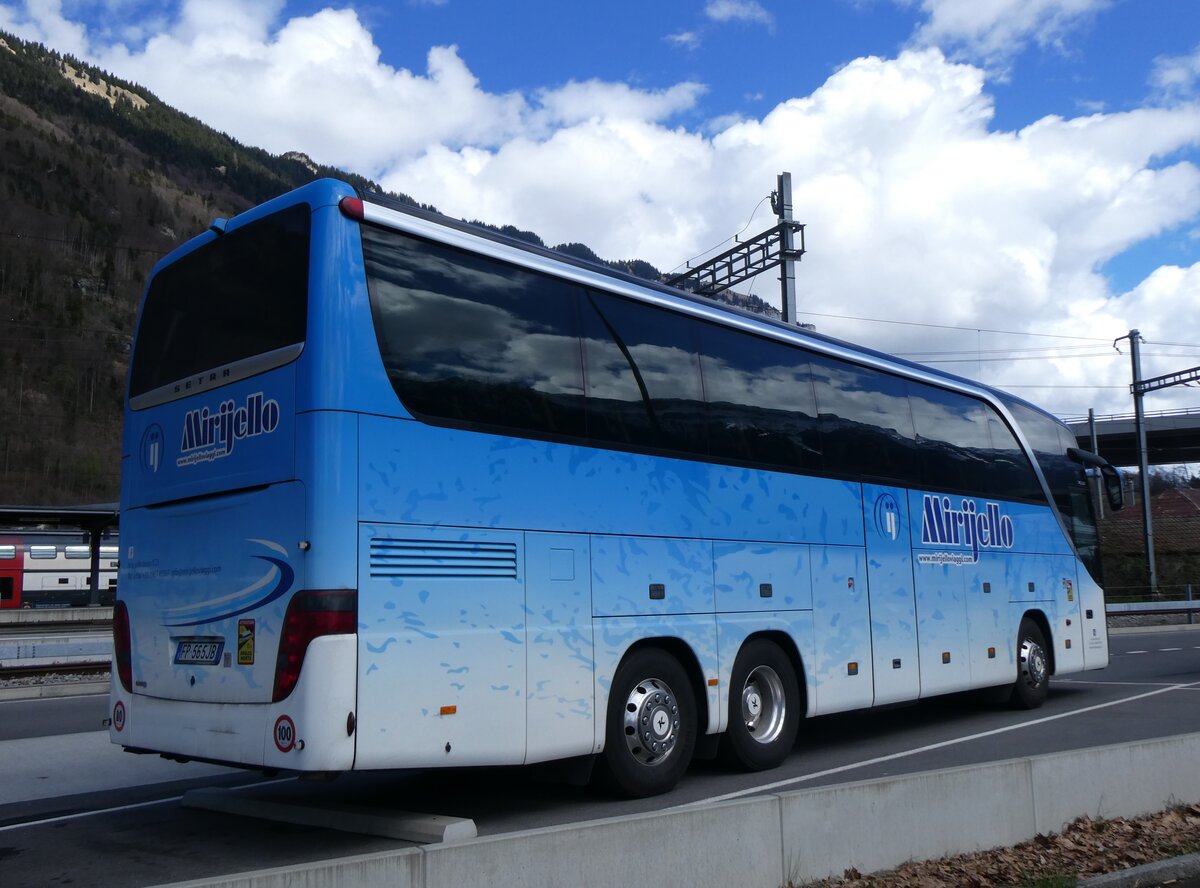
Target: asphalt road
[(73, 809)]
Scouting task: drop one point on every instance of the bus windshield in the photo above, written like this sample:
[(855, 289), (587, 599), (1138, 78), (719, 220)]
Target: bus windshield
[(224, 306), (1067, 479)]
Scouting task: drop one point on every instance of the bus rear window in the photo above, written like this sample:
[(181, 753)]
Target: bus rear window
[(240, 297)]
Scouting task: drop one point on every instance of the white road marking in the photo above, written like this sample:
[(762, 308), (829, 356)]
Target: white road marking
[(1136, 652), (853, 766), (1164, 650), (1136, 684), (81, 814)]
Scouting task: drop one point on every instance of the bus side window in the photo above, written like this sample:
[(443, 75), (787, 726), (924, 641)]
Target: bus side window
[(643, 376), (1012, 474), (761, 406), (466, 338), (866, 422), (955, 442)]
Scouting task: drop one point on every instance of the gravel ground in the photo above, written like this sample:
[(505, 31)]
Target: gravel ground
[(52, 678)]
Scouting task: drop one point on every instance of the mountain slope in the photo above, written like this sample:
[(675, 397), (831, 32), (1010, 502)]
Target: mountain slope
[(99, 180)]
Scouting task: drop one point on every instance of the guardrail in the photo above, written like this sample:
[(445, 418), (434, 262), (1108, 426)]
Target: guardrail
[(71, 639), (75, 651), (1142, 608)]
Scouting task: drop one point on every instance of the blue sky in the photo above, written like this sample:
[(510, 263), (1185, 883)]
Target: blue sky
[(1006, 173)]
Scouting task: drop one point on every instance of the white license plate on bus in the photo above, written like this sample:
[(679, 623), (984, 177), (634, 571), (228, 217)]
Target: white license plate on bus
[(199, 650)]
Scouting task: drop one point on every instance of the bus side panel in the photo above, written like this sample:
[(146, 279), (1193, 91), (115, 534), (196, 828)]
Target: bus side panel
[(1067, 622), (560, 661), (616, 635), (893, 600), (942, 628), (991, 631), (1094, 624), (442, 641), (636, 575), (761, 577), (842, 629), (428, 475)]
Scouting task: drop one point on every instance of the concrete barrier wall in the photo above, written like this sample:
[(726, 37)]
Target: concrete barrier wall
[(807, 834)]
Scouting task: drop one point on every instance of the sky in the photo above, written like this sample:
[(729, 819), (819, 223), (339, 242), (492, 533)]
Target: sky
[(1000, 188)]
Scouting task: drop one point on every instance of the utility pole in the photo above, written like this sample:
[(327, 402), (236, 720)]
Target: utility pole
[(1097, 483), (1139, 424), (782, 204), (775, 246)]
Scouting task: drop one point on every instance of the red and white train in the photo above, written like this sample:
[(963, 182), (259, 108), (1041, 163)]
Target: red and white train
[(53, 570)]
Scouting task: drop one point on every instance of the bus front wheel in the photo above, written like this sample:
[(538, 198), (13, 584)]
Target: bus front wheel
[(651, 726), (1033, 667), (764, 708)]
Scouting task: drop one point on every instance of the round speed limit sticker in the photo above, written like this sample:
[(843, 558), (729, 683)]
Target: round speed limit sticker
[(118, 717), (285, 734)]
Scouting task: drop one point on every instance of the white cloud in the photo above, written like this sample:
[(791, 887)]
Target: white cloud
[(577, 102), (991, 31), (1177, 75), (917, 208), (43, 22), (738, 11), (688, 40)]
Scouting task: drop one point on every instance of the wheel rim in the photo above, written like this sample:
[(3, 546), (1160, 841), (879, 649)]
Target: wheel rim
[(651, 722), (764, 706), (1033, 663)]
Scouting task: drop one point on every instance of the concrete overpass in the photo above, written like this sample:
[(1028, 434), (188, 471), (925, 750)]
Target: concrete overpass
[(1172, 436)]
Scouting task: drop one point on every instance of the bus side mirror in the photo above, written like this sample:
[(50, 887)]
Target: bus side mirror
[(1114, 490), (1110, 478)]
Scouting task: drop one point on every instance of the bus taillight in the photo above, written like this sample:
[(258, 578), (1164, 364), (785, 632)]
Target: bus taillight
[(310, 615), (121, 645)]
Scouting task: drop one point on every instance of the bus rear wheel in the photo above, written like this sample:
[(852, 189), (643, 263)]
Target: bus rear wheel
[(764, 708), (651, 725), (1033, 667)]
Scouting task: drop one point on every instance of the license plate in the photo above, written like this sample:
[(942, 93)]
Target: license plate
[(199, 650)]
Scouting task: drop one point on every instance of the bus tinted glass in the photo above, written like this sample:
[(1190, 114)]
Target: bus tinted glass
[(955, 442), (643, 376), (761, 406), (241, 295), (1066, 479), (866, 423), (469, 339)]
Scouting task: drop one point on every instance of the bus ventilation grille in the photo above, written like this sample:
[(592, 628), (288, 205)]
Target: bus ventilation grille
[(451, 559)]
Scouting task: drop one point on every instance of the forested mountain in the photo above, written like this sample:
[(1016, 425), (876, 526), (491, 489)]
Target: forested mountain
[(99, 180)]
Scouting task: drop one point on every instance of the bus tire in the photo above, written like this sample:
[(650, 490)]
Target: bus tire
[(1033, 667), (764, 708), (651, 725)]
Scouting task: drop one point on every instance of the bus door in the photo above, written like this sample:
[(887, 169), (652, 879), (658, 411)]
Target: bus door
[(890, 588)]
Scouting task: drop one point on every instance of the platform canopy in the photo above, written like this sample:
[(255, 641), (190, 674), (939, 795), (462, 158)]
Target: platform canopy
[(94, 518)]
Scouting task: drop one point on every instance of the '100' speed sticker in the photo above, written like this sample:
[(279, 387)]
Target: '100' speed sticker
[(285, 734)]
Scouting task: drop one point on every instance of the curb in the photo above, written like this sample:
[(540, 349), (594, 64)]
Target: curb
[(1147, 874), (43, 692)]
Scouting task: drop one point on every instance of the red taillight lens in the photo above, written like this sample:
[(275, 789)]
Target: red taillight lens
[(122, 645), (310, 615), (352, 208)]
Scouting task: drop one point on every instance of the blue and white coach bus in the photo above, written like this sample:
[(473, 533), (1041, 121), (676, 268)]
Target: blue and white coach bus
[(401, 493)]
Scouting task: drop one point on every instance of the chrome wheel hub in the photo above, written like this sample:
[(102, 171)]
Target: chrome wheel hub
[(651, 721), (1033, 663), (764, 706)]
